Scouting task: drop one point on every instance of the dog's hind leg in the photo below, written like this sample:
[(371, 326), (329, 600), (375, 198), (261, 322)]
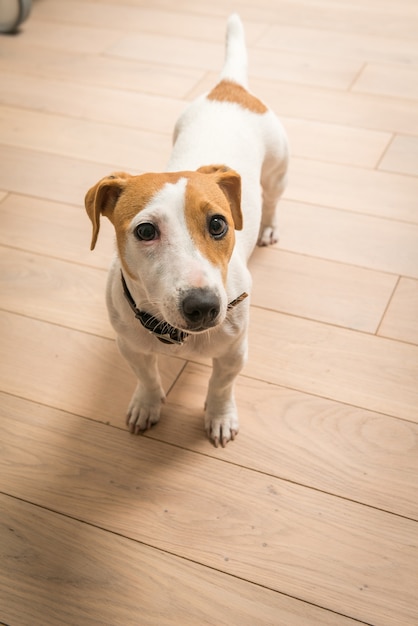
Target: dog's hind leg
[(273, 183)]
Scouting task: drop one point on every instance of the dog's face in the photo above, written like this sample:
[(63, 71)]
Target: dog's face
[(175, 236)]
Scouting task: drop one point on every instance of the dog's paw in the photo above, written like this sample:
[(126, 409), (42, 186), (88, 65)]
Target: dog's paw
[(144, 410), (222, 428), (268, 236)]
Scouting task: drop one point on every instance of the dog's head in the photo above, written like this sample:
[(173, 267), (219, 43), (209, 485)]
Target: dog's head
[(175, 237)]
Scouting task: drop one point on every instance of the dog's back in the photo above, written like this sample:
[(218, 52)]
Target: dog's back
[(229, 125)]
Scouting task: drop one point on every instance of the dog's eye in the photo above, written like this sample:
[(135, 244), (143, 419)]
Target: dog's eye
[(218, 226), (146, 231)]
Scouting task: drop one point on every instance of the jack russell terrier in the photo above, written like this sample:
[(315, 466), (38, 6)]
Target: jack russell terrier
[(179, 281)]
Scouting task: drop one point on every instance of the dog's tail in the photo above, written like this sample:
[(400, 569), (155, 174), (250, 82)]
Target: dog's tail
[(235, 66)]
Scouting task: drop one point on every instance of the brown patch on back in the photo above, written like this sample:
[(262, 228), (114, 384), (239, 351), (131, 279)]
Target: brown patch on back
[(228, 91)]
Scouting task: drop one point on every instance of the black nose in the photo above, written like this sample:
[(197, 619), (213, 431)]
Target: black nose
[(200, 307)]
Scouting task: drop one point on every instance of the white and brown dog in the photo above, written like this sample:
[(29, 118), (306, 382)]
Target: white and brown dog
[(179, 280)]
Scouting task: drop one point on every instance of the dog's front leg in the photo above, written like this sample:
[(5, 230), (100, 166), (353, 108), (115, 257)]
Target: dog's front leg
[(145, 406), (221, 416)]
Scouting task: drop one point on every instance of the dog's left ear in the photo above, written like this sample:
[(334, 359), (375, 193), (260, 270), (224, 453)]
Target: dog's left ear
[(101, 200), (230, 183)]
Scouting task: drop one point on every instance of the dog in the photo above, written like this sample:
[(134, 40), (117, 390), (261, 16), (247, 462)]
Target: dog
[(179, 281)]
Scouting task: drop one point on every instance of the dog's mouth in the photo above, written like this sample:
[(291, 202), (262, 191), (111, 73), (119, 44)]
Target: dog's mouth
[(198, 330), (167, 333)]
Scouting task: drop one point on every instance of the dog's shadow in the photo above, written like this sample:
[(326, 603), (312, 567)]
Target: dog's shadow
[(94, 479)]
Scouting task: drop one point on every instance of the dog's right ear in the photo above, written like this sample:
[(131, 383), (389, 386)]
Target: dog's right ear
[(230, 183), (102, 198)]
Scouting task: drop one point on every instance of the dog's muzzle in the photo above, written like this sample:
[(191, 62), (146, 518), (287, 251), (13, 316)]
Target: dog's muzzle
[(199, 307)]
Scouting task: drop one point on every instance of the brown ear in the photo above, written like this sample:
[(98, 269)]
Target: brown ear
[(101, 200), (230, 183)]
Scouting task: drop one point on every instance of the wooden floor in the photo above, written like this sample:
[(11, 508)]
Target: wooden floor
[(311, 516)]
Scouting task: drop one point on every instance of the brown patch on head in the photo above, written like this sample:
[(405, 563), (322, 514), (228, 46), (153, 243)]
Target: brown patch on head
[(214, 190), (228, 91), (120, 197)]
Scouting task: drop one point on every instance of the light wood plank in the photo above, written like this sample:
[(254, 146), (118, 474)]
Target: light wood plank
[(337, 73), (351, 109), (354, 189), (330, 446), (85, 101), (103, 476), (389, 80), (401, 319), (60, 367), (386, 18), (310, 69), (57, 570), (55, 291), (321, 290), (329, 105), (344, 236), (75, 67), (58, 230), (402, 156), (364, 370), (175, 51), (53, 177), (335, 143), (82, 139), (169, 22), (85, 39), (353, 44)]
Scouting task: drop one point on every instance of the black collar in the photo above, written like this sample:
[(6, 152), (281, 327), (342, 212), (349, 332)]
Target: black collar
[(163, 330)]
